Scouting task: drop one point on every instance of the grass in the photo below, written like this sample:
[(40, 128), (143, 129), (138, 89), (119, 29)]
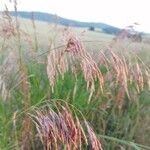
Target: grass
[(116, 111)]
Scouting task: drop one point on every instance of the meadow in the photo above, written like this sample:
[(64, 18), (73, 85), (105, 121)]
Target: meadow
[(70, 88)]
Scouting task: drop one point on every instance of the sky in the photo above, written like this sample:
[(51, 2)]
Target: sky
[(119, 13)]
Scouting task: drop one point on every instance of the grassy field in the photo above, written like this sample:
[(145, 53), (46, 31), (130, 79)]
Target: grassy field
[(72, 88)]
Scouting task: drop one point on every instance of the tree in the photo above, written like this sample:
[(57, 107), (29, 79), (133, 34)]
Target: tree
[(91, 28)]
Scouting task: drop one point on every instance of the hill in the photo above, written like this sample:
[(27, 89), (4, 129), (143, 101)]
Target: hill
[(46, 17)]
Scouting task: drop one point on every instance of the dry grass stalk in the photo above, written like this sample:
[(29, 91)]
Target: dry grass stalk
[(75, 47), (136, 73), (15, 4), (8, 68), (51, 69), (123, 73), (27, 124), (148, 78), (91, 73), (95, 143), (60, 129), (35, 33), (3, 89), (139, 77), (103, 60), (25, 85), (58, 64), (120, 97), (7, 28)]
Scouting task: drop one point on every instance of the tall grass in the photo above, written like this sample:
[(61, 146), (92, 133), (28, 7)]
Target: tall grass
[(69, 99)]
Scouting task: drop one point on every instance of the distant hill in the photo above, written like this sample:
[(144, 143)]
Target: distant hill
[(46, 17)]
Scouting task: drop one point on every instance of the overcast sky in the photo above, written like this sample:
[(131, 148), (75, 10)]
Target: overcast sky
[(119, 13)]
